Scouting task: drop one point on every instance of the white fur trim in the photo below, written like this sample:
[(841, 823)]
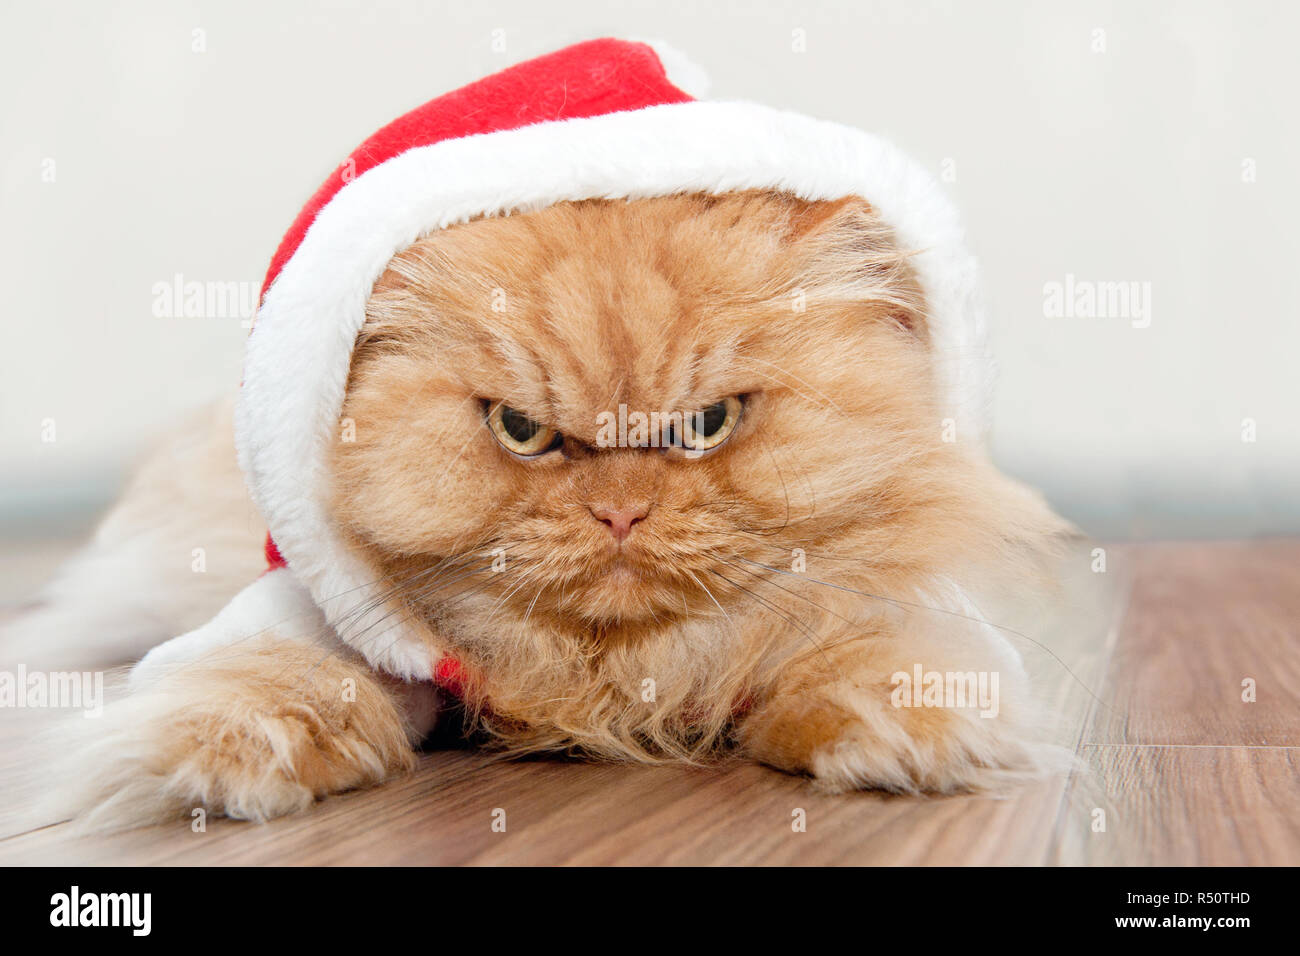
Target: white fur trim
[(275, 604), (299, 353)]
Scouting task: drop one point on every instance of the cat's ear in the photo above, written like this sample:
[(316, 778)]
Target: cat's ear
[(844, 252)]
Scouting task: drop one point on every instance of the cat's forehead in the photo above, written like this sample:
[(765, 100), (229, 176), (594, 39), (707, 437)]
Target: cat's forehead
[(657, 306), (667, 304), (623, 338)]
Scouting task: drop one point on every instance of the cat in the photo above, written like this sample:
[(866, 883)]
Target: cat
[(759, 577)]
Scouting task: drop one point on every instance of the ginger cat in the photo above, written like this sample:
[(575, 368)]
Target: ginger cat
[(752, 578)]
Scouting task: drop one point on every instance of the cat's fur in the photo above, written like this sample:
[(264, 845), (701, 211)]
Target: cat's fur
[(764, 603)]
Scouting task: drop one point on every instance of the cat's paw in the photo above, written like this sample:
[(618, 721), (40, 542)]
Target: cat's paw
[(861, 742), (252, 733)]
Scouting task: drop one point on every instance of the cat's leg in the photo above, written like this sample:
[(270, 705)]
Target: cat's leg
[(929, 703), (251, 725)]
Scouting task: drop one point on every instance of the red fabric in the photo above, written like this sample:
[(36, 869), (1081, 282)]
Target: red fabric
[(587, 79), (273, 557), (449, 674)]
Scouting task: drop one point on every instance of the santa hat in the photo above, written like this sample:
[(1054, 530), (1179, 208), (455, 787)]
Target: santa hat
[(602, 119)]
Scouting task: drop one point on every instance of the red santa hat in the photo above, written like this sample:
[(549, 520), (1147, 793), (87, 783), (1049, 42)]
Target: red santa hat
[(602, 119)]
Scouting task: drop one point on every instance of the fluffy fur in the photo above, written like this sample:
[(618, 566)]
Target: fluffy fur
[(763, 603), (255, 733), (808, 309)]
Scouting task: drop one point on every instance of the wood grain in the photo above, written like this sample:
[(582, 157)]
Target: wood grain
[(1202, 618), (1186, 771), (1193, 806)]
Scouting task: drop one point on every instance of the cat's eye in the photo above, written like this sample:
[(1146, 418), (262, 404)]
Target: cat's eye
[(709, 427), (520, 434)]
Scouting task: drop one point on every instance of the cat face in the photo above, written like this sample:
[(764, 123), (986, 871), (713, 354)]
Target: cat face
[(608, 414)]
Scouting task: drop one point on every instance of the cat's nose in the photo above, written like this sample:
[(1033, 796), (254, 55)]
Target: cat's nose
[(620, 520)]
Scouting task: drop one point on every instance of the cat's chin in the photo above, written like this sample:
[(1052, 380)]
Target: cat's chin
[(624, 592), (621, 570)]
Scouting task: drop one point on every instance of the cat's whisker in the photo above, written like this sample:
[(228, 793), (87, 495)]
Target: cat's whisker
[(826, 399), (785, 491), (396, 625), (693, 577), (802, 597), (533, 603), (368, 636), (397, 586), (402, 599), (917, 606), (775, 609), (399, 593), (470, 591), (524, 578)]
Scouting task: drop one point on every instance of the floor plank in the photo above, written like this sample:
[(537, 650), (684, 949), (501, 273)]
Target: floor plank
[(1197, 806), (1185, 771), (1204, 617)]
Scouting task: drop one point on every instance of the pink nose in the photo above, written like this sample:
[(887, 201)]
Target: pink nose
[(620, 520)]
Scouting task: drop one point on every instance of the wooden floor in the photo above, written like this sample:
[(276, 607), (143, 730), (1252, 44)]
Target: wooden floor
[(1175, 766)]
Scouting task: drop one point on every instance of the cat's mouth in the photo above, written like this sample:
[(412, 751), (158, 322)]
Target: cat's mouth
[(623, 570), (631, 585)]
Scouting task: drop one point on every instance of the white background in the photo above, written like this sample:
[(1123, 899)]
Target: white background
[(1122, 165)]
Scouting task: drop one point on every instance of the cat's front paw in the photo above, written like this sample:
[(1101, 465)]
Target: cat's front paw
[(859, 741), (254, 734)]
